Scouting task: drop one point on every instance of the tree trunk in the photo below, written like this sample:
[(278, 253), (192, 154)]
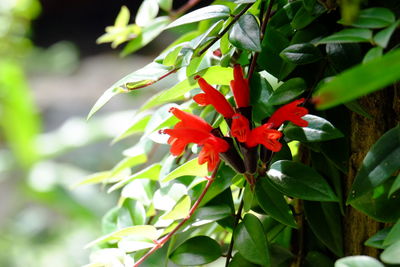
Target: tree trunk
[(384, 107)]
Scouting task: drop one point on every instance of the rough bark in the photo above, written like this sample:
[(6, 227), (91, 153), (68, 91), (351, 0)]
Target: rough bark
[(384, 107)]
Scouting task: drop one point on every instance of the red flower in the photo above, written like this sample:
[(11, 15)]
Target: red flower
[(266, 136), (213, 97), (289, 112), (210, 152), (181, 137), (240, 87), (190, 121), (240, 127)]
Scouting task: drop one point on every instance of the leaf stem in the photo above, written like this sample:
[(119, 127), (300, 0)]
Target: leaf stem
[(219, 36), (238, 216), (160, 242), (154, 81), (262, 33)]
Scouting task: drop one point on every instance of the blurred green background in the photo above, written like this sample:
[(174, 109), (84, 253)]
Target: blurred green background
[(51, 73)]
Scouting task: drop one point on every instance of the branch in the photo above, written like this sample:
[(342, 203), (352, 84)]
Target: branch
[(237, 218), (160, 242), (262, 33), (154, 81), (219, 36), (183, 9)]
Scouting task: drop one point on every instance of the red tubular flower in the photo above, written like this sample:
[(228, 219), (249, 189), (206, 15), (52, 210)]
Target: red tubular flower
[(189, 120), (240, 87), (266, 136), (210, 152), (240, 127), (181, 137), (289, 112), (213, 97)]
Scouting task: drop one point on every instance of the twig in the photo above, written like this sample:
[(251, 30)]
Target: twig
[(160, 242), (262, 33), (154, 81), (219, 36), (183, 9), (238, 215)]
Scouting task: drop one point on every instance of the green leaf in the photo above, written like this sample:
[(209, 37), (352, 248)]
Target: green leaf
[(148, 34), (393, 235), (348, 36), (373, 18), (287, 92), (138, 125), (151, 172), (209, 12), (317, 259), (260, 91), (94, 178), (211, 213), (273, 203), (150, 72), (191, 167), (213, 75), (245, 34), (343, 55), (166, 197), (391, 254), (382, 37), (129, 162), (376, 241), (166, 5), (373, 53), (360, 80), (396, 186), (303, 17), (148, 232), (239, 261), (250, 240), (198, 250), (378, 205), (324, 221), (301, 54), (180, 211), (358, 261), (300, 181), (318, 129), (381, 161), (147, 11)]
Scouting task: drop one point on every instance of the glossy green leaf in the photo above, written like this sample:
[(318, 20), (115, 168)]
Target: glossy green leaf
[(381, 161), (303, 17), (245, 34), (360, 80), (166, 197), (191, 167), (148, 34), (373, 18), (393, 235), (180, 211), (391, 254), (151, 172), (287, 92), (239, 261), (250, 240), (324, 221), (376, 241), (144, 231), (373, 53), (260, 92), (132, 243), (343, 55), (382, 37), (150, 72), (213, 75), (378, 205), (357, 108), (301, 54), (211, 213), (273, 202), (205, 37), (147, 11), (300, 181), (131, 213), (198, 250), (358, 261), (348, 36), (209, 12), (318, 129), (396, 186), (138, 125), (222, 181)]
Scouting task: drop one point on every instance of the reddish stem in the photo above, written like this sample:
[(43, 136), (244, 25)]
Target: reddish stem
[(189, 4), (160, 242), (154, 81)]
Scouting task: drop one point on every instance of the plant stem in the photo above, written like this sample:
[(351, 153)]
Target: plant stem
[(160, 242), (183, 9), (238, 215), (219, 36), (154, 81), (262, 33)]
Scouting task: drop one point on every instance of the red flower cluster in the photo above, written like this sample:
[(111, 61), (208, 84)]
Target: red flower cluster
[(192, 129)]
